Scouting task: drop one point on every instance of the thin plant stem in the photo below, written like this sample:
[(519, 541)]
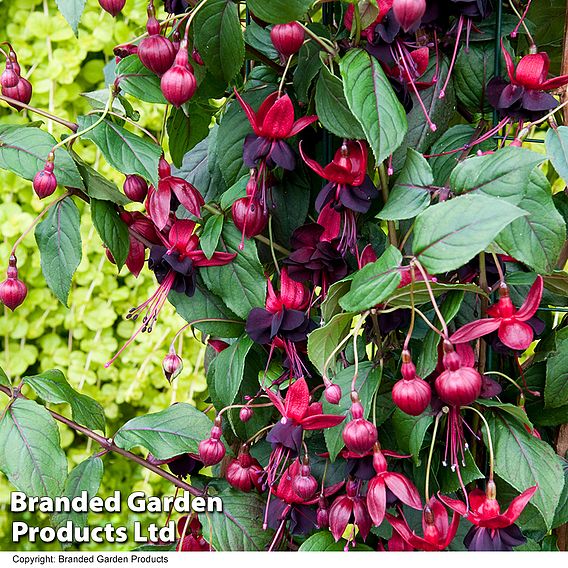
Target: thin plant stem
[(489, 439), (322, 42), (430, 454), (283, 80), (385, 193), (71, 125), (272, 251), (432, 297)]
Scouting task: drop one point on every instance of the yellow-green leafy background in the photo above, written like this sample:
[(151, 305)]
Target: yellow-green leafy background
[(42, 334)]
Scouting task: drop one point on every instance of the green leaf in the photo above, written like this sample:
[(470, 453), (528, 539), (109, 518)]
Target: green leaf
[(323, 541), (373, 102), (97, 186), (332, 108), (112, 230), (168, 433), (473, 70), (4, 380), (138, 81), (185, 131), (123, 150), (367, 383), (291, 199), (24, 150), (537, 238), (523, 461), (322, 341), (58, 237), (241, 283), (455, 137), (307, 66), (556, 143), (219, 38), (516, 412), (52, 386), (428, 357), (503, 174), (410, 432), (561, 514), (72, 10), (279, 11), (230, 367), (330, 306), (449, 234), (206, 305), (236, 191), (259, 38), (200, 167), (374, 282), (410, 194), (238, 527), (556, 386), (209, 238), (30, 452), (87, 477)]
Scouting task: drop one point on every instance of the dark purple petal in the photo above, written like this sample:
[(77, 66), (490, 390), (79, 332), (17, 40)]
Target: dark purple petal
[(254, 148), (512, 536), (509, 96), (282, 155), (258, 326), (326, 195), (287, 434), (538, 101), (303, 519)]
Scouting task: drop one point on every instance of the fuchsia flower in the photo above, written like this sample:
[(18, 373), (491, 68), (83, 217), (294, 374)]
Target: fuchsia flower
[(369, 31), (492, 530), (174, 265), (272, 124), (159, 200), (347, 508), (400, 486), (298, 414), (349, 190), (525, 96), (438, 531), (509, 322)]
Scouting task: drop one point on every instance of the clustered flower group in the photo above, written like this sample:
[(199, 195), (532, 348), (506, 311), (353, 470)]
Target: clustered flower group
[(308, 404)]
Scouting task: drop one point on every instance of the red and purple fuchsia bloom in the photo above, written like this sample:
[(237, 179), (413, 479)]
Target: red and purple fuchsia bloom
[(438, 531), (491, 530), (174, 263), (525, 96), (284, 321), (510, 323), (349, 190)]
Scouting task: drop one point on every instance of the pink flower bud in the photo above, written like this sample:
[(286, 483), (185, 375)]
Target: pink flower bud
[(9, 77), (287, 38), (359, 435), (12, 291), (249, 216), (113, 7), (408, 13), (411, 394), (212, 450), (322, 515), (457, 385), (196, 57), (178, 84), (156, 52), (245, 413), (245, 473), (172, 365), (304, 484), (45, 182), (332, 393), (135, 188), (22, 92)]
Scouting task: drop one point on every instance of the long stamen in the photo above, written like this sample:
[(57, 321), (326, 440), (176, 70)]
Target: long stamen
[(410, 82), (152, 307), (454, 55)]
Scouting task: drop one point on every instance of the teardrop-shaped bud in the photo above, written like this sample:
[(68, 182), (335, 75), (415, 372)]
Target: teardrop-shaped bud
[(287, 38), (45, 182), (304, 484), (135, 188), (178, 83), (22, 92), (156, 52), (359, 435), (408, 13), (172, 365), (457, 385), (245, 414), (9, 77), (332, 393), (13, 291), (249, 216), (113, 7), (212, 450)]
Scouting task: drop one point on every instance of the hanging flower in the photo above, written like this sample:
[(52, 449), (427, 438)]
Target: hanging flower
[(438, 531), (159, 202), (492, 530), (272, 124), (524, 96), (509, 322), (351, 507)]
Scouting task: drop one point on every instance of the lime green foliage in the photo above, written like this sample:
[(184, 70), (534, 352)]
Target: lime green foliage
[(42, 334)]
